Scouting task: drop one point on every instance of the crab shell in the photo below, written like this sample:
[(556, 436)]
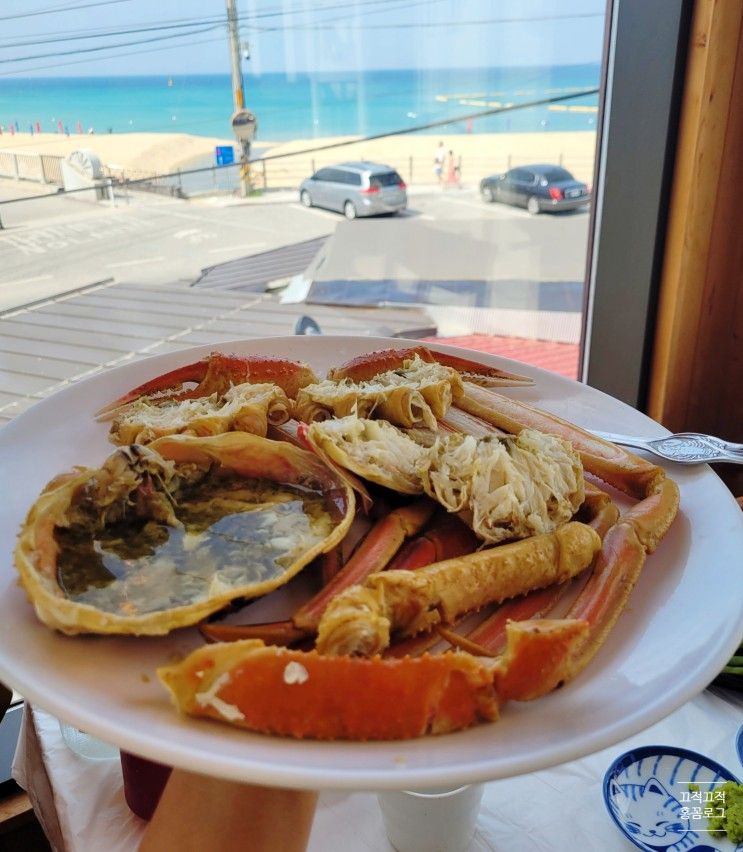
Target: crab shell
[(244, 454), (306, 695)]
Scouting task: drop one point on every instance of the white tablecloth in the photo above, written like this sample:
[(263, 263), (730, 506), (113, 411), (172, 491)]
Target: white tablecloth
[(81, 804)]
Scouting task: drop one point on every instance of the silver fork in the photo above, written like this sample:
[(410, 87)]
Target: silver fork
[(682, 447)]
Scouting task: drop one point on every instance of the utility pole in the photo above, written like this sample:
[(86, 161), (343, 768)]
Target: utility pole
[(244, 123)]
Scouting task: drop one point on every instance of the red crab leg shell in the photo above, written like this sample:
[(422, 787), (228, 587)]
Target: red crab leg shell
[(538, 656), (607, 591), (273, 633), (448, 537), (331, 563), (303, 694), (490, 635), (602, 513), (365, 367), (652, 516), (173, 380)]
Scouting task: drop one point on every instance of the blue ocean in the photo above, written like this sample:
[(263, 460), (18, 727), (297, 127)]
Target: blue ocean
[(302, 106)]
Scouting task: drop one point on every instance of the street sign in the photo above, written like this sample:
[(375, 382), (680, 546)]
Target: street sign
[(225, 155), (244, 125)]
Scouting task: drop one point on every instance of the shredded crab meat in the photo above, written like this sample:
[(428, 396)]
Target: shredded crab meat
[(414, 395), (373, 449), (506, 487), (248, 407)]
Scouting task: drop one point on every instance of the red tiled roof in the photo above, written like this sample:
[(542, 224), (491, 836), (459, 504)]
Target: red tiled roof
[(560, 358)]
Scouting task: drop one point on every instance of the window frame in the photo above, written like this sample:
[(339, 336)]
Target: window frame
[(645, 52)]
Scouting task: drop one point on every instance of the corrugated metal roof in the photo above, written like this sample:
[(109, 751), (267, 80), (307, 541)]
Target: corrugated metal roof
[(45, 346), (251, 274)]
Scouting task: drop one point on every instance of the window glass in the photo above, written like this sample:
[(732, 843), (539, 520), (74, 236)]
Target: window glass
[(386, 179), (555, 175), (137, 123)]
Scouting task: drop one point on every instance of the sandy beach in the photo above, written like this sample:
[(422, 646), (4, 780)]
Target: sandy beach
[(156, 153), (412, 155), (480, 153)]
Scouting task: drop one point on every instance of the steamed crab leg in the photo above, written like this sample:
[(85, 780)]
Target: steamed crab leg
[(607, 591), (382, 542), (488, 637), (659, 497), (362, 619), (447, 538)]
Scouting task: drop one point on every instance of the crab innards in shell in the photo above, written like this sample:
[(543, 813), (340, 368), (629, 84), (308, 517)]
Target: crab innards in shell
[(161, 536)]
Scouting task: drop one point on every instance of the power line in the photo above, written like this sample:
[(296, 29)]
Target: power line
[(54, 9), (89, 60), (107, 46), (247, 27), (246, 17), (274, 12), (426, 24), (108, 34)]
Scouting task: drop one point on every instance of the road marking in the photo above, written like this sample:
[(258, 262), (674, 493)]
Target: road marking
[(326, 214), (242, 247), (192, 217), (189, 232), (134, 262), (25, 281), (493, 209)]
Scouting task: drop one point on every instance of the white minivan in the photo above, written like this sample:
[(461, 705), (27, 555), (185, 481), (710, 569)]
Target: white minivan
[(355, 189)]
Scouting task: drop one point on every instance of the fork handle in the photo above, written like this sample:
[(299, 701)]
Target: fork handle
[(711, 449), (624, 440)]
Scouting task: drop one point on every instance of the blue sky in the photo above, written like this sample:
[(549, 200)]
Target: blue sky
[(293, 35)]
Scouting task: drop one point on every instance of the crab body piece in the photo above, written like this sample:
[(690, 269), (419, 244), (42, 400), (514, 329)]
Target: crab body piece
[(366, 367), (159, 537), (216, 374), (307, 695)]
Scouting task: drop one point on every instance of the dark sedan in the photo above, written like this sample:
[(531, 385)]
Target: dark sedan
[(538, 188)]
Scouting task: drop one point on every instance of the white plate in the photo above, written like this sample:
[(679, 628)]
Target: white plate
[(683, 622)]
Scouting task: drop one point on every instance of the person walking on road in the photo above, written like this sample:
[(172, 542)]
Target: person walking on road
[(452, 170)]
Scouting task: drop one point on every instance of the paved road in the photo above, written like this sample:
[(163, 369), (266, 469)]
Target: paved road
[(463, 249), (56, 244)]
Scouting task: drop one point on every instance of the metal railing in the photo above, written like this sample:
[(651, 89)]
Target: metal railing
[(287, 173), (39, 168)]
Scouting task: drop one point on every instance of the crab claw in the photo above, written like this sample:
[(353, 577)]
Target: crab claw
[(216, 374), (365, 367)]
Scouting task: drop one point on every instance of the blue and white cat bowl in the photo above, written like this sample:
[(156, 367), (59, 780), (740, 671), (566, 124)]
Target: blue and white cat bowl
[(661, 798)]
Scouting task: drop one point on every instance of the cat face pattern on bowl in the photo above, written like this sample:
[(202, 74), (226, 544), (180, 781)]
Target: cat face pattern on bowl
[(661, 798)]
